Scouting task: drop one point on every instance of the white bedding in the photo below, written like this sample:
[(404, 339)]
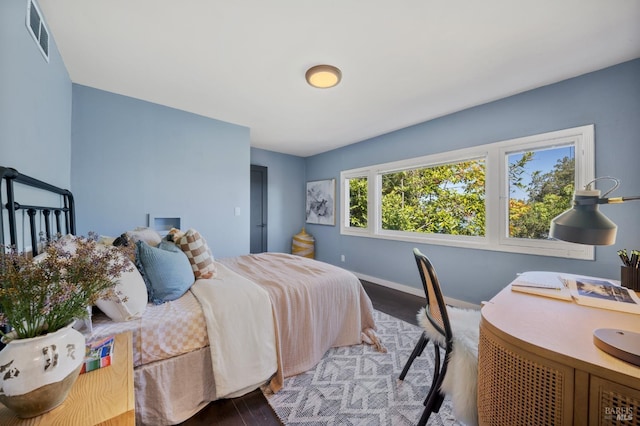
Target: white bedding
[(177, 370), (239, 319)]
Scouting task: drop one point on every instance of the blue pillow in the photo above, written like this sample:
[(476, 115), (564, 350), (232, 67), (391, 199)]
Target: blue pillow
[(165, 269)]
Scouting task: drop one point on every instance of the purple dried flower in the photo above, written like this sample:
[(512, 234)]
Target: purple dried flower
[(46, 294)]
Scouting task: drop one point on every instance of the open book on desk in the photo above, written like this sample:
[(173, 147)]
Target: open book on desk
[(603, 294), (542, 283), (539, 279), (587, 291)]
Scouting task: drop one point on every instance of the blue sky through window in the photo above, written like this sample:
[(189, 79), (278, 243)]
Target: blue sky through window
[(543, 160)]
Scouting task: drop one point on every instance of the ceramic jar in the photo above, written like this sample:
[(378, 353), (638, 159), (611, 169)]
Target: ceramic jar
[(36, 374)]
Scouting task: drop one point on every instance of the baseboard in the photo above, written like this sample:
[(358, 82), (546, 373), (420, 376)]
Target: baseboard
[(414, 291)]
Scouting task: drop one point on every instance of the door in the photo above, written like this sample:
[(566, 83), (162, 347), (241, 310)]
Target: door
[(258, 209)]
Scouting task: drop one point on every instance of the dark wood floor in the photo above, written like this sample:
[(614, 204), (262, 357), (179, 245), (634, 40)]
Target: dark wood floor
[(253, 409)]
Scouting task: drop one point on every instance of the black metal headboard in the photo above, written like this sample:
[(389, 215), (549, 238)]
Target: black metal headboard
[(10, 177)]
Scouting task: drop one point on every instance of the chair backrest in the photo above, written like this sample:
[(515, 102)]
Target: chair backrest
[(436, 309)]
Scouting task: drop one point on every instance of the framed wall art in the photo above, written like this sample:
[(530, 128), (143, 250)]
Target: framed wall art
[(321, 206)]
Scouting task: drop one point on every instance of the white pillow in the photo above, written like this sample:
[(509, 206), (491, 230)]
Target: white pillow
[(106, 240), (148, 235), (132, 287), (68, 243)]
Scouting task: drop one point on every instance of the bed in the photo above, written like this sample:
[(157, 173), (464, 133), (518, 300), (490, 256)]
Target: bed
[(258, 319)]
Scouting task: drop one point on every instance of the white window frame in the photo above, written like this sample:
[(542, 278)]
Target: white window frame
[(496, 194)]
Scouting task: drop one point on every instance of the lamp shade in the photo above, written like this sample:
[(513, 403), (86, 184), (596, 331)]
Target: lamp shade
[(584, 223)]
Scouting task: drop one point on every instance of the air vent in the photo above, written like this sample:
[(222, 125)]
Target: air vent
[(37, 28)]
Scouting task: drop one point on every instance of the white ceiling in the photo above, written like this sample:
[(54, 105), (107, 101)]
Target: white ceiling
[(403, 61)]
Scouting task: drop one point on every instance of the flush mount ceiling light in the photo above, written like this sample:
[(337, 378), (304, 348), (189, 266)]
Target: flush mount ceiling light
[(323, 76)]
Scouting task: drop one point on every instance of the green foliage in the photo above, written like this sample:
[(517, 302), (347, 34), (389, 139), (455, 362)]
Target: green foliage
[(517, 170), (450, 198), (549, 194), (358, 202), (445, 199)]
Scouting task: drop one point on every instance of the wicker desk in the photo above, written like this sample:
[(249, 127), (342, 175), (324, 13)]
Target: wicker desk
[(537, 364)]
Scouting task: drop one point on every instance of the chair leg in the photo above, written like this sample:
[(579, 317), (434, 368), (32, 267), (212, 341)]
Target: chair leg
[(424, 418), (417, 351), (431, 407), (434, 398), (436, 372), (437, 403)]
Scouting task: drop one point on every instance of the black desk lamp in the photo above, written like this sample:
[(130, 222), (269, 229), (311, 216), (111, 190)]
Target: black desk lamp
[(585, 224)]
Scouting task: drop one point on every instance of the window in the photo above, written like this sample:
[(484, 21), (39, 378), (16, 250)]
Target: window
[(541, 186), (441, 199), (501, 196), (357, 187)]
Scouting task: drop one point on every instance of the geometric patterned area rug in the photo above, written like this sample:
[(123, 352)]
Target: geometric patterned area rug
[(356, 385)]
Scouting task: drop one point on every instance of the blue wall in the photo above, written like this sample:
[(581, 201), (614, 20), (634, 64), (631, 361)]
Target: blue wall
[(128, 158), (35, 102), (286, 196), (131, 158), (609, 98)]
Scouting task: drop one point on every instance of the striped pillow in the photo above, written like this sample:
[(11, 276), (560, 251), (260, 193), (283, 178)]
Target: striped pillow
[(199, 254)]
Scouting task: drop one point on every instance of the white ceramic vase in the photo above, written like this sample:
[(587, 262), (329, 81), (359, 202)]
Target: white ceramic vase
[(36, 374)]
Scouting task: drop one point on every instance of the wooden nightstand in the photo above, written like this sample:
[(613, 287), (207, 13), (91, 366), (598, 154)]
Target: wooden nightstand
[(100, 397)]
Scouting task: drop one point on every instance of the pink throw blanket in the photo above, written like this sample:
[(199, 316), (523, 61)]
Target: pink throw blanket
[(316, 306)]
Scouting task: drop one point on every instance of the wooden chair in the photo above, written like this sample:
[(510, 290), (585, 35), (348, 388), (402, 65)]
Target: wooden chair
[(435, 321)]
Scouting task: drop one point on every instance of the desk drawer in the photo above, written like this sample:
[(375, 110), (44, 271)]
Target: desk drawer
[(611, 403)]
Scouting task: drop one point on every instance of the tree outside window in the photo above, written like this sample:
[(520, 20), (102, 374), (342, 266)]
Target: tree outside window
[(358, 187), (541, 186), (500, 196), (443, 199)]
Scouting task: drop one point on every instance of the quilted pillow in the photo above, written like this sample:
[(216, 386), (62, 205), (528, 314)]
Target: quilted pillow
[(195, 247), (130, 300), (165, 269)]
